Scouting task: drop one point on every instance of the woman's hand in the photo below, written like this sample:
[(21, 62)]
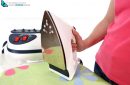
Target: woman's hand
[(79, 45)]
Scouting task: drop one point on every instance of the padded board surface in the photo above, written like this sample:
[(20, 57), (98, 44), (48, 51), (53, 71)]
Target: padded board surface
[(38, 74)]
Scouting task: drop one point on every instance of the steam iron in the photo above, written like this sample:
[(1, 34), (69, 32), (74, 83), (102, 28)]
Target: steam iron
[(56, 37)]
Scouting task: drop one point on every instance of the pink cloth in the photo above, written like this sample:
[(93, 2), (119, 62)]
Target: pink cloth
[(114, 54)]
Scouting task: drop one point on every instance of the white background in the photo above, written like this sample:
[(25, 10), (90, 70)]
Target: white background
[(83, 14)]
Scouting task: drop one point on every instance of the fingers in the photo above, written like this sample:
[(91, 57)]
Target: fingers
[(79, 42), (76, 34), (74, 47)]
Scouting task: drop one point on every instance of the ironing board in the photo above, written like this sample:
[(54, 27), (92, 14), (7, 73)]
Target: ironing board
[(39, 74)]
